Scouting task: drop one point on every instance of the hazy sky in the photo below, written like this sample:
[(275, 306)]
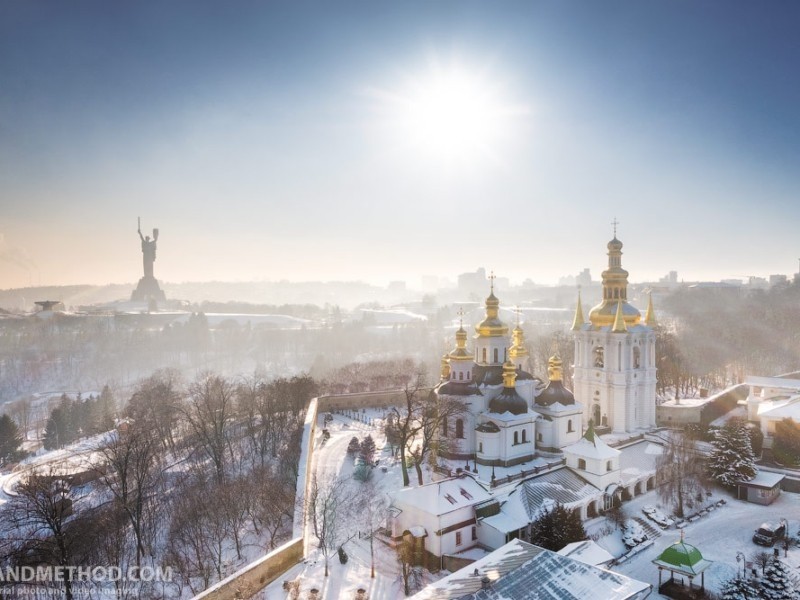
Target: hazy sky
[(389, 140)]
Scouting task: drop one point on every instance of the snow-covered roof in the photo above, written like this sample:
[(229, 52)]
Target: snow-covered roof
[(588, 552), (773, 382), (441, 497), (764, 479), (507, 416), (778, 409), (517, 568), (638, 459), (531, 497), (591, 445)]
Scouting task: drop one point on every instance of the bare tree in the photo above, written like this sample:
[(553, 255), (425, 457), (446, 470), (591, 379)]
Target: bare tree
[(429, 442), (43, 526), (682, 471), (130, 468), (209, 407), (156, 404), (330, 503), (761, 558), (410, 572), (407, 418), (373, 508)]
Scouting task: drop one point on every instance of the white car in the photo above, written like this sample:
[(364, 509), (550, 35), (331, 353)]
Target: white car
[(649, 509)]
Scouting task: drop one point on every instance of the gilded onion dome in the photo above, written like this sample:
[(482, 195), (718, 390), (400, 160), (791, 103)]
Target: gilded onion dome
[(555, 392), (445, 367), (615, 292), (460, 352), (508, 400), (492, 326), (518, 349)]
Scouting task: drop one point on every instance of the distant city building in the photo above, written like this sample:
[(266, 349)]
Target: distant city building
[(757, 282), (670, 278), (584, 278), (397, 286), (777, 280)]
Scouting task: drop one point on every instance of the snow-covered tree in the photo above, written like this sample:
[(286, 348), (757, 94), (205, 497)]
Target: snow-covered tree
[(557, 527), (732, 458), (775, 584), (738, 589)]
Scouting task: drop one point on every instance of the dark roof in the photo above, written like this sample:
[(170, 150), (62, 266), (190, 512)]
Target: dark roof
[(488, 375), (524, 375), (456, 388), (555, 392), (488, 426), (508, 401)]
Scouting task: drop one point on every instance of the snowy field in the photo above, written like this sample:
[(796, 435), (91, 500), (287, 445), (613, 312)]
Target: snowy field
[(719, 536)]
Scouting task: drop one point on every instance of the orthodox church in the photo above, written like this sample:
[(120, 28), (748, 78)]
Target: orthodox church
[(510, 414)]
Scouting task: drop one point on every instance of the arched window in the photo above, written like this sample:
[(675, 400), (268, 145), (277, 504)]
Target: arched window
[(461, 375), (539, 437), (444, 427), (524, 436), (484, 355), (599, 357), (496, 355), (569, 426), (505, 354), (480, 447), (581, 464), (516, 438), (608, 466), (596, 415), (637, 357), (469, 375), (459, 428)]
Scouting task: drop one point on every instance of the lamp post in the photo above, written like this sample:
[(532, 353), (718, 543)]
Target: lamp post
[(740, 559)]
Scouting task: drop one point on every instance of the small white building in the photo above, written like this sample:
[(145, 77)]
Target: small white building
[(441, 514), (771, 400)]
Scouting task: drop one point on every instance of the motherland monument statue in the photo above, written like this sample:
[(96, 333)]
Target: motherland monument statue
[(148, 289)]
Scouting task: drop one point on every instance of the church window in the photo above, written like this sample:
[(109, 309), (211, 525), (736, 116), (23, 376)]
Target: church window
[(496, 355), (637, 357), (474, 533), (505, 355), (484, 355), (444, 427), (458, 538), (599, 357), (516, 438), (605, 421), (469, 375), (569, 426), (461, 376), (524, 436), (459, 428), (609, 466), (596, 416), (539, 437), (581, 464), (480, 447)]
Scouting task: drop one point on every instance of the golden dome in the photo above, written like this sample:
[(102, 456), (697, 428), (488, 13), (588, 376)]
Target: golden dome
[(509, 374), (492, 326), (460, 352), (445, 367), (615, 292), (554, 368)]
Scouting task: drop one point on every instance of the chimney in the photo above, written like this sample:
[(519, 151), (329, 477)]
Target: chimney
[(485, 582)]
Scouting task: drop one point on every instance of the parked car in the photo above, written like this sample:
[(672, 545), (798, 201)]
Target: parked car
[(633, 534), (649, 509), (769, 533)]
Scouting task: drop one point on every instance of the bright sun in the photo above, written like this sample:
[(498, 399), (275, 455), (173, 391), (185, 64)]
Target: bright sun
[(452, 115)]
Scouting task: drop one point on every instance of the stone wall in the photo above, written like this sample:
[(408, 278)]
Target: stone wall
[(365, 400), (258, 574)]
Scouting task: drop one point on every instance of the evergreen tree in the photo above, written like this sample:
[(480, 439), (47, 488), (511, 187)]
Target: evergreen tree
[(368, 449), (353, 447), (56, 432), (775, 584), (10, 440), (557, 527), (786, 444), (738, 589), (732, 458)]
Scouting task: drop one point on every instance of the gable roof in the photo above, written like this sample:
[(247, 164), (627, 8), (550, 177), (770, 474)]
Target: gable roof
[(520, 570), (442, 497)]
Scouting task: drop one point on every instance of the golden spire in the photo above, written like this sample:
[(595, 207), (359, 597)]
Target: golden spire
[(518, 349), (509, 374), (460, 351), (554, 371), (578, 321), (445, 367), (619, 322), (650, 315), (492, 326), (615, 289)]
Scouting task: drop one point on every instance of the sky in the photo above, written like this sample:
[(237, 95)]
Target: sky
[(382, 141)]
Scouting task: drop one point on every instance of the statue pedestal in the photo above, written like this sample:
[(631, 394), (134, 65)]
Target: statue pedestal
[(148, 290)]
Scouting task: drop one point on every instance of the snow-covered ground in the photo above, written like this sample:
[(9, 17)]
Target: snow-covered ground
[(719, 536), (344, 580)]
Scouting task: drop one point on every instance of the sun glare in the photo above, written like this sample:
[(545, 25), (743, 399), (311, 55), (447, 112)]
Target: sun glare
[(452, 115)]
